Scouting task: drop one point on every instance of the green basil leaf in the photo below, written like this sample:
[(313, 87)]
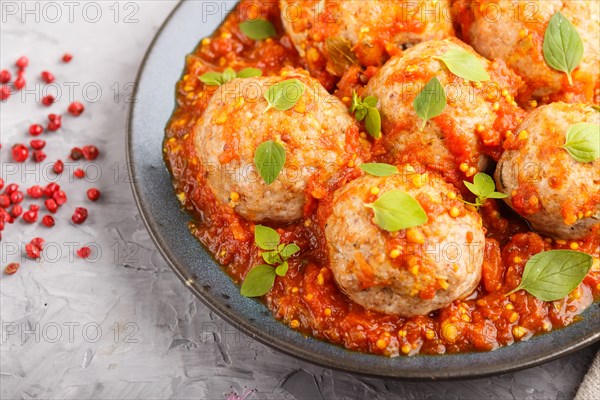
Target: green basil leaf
[(266, 238), (272, 257), (379, 169), (552, 275), (373, 123), (212, 78), (431, 102), (361, 113), (370, 101), (282, 269), (269, 159), (259, 281), (258, 29), (464, 65), (563, 47), (289, 250), (583, 142), (249, 73), (284, 95), (485, 184), (228, 75), (396, 210), (497, 195)]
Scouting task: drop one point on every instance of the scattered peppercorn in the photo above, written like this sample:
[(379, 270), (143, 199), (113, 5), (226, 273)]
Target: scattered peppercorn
[(79, 173), (30, 216), (36, 130), (48, 221), (90, 152), (11, 268), (84, 252), (93, 194), (20, 153), (79, 216), (58, 167), (4, 92), (22, 62), (5, 76), (39, 156), (37, 144), (48, 100), (67, 57), (35, 192), (76, 108), (76, 154), (47, 77)]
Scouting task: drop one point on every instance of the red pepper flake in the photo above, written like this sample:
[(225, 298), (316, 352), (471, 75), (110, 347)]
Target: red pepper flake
[(58, 167), (16, 211), (90, 152), (19, 153), (22, 62), (93, 194), (35, 192), (76, 109), (4, 92), (5, 76), (59, 197), (38, 242), (16, 197), (39, 156), (19, 83), (48, 221), (51, 205), (4, 201), (13, 187), (67, 57), (84, 252), (11, 268), (47, 77), (48, 100), (32, 251), (36, 130), (76, 154), (30, 216), (79, 216), (50, 189), (79, 173), (37, 144)]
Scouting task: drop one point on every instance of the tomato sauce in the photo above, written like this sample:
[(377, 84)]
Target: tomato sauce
[(307, 298)]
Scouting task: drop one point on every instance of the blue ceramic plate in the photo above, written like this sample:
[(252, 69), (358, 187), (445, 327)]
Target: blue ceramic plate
[(167, 223)]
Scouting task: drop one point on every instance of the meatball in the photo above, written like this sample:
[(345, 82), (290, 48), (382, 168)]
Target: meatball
[(318, 135), (472, 126), (332, 33), (413, 271), (559, 196), (513, 30)]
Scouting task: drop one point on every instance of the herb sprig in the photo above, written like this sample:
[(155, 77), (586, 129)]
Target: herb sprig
[(366, 109), (284, 95), (484, 188), (552, 275), (396, 210), (563, 47), (431, 101), (269, 159), (583, 142), (260, 278), (214, 78), (379, 169), (464, 65), (258, 29)]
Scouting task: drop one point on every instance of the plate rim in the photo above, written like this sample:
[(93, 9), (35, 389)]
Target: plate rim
[(275, 343)]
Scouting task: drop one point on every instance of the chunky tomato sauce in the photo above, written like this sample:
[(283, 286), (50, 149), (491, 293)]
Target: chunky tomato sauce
[(307, 298)]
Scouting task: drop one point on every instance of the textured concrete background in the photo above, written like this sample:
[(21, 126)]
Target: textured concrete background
[(121, 325)]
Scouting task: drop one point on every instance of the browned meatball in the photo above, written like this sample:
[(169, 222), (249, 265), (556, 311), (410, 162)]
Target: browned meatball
[(413, 271), (367, 31), (318, 134), (472, 126), (513, 30), (558, 195)]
